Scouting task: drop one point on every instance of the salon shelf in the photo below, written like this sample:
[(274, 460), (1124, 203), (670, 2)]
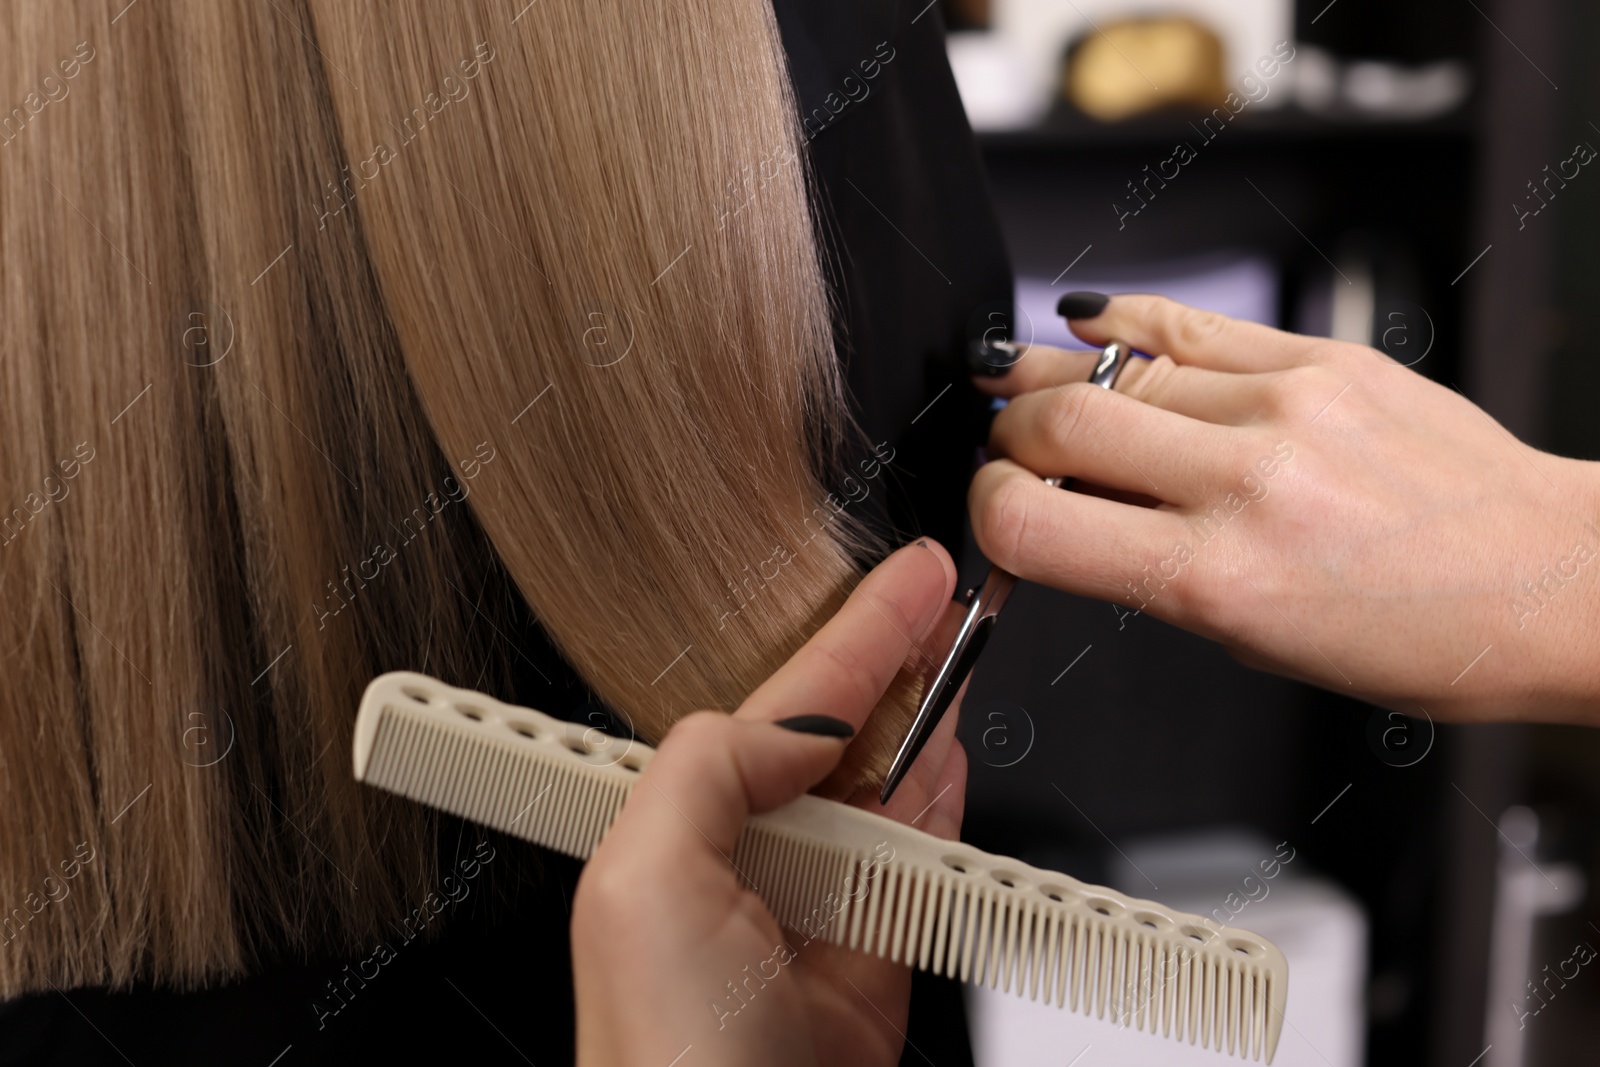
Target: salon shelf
[(1068, 130)]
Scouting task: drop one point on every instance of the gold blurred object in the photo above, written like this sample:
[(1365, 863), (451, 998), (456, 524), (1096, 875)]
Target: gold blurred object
[(1137, 65), (967, 14)]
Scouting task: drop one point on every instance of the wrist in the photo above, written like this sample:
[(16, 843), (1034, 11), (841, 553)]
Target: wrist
[(1568, 686)]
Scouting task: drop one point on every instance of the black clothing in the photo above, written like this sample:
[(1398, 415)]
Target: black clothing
[(911, 243)]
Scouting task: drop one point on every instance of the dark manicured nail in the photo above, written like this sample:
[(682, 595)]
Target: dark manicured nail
[(992, 359), (820, 725), (1082, 305)]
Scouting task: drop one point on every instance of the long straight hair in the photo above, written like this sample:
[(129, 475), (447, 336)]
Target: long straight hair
[(318, 315)]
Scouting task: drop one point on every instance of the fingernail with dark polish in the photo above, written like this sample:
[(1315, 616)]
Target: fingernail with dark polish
[(1082, 305), (820, 725), (992, 359)]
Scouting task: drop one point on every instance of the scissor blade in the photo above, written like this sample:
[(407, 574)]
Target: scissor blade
[(983, 607), (935, 703)]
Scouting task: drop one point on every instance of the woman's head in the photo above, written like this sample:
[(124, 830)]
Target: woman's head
[(342, 314)]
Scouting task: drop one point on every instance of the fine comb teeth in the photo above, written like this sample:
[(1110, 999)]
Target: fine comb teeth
[(938, 905)]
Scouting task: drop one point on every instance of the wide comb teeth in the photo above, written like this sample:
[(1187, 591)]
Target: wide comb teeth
[(836, 873)]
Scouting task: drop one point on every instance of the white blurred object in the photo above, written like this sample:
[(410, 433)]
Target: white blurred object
[(992, 79), (1355, 302), (1033, 35), (1316, 79), (1321, 930), (1523, 892), (1394, 91), (1371, 89)]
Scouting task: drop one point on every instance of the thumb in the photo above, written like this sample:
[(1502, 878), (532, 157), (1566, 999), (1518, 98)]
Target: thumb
[(713, 770)]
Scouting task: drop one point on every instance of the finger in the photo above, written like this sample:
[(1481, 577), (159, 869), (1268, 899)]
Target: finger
[(707, 777), (1160, 326), (710, 773), (1039, 367), (1218, 397), (1221, 397), (942, 817), (943, 636), (848, 664), (1084, 431), (1120, 496), (1077, 543)]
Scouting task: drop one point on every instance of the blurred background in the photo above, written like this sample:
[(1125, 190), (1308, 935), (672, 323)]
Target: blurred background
[(1409, 174)]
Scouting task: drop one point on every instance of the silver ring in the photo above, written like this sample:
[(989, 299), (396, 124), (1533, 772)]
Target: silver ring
[(1109, 366)]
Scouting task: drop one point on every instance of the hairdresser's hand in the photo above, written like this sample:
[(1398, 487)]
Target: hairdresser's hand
[(670, 950), (1320, 509)]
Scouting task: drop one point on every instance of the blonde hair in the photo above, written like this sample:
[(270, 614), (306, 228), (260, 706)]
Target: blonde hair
[(396, 232)]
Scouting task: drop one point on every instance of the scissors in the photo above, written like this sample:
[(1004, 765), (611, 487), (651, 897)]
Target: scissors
[(983, 610)]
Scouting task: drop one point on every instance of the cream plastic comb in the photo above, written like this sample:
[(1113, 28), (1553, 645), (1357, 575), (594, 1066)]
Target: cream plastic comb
[(938, 905)]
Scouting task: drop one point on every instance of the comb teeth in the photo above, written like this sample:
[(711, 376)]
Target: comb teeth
[(846, 876)]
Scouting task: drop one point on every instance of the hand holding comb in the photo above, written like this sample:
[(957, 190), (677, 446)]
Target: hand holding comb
[(940, 906)]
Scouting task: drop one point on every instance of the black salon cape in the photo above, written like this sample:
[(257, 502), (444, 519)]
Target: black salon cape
[(915, 256)]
